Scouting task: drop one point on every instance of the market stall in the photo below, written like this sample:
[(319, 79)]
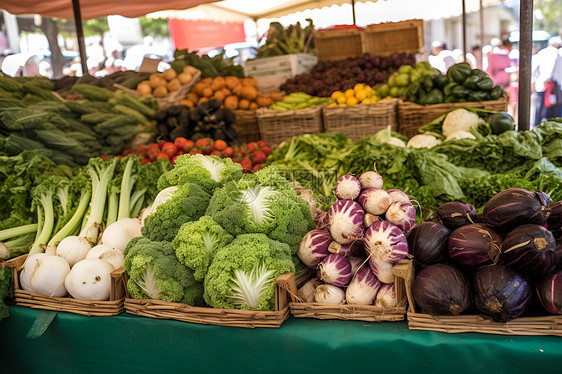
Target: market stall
[(128, 343), (266, 217)]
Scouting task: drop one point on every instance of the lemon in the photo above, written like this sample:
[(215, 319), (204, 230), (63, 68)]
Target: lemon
[(349, 92), (366, 101), (341, 99), (352, 101), (336, 94), (361, 95), (333, 105), (358, 87)]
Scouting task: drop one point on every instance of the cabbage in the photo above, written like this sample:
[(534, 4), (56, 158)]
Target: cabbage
[(459, 120)]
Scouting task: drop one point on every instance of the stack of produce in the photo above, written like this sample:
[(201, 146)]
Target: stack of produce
[(462, 123), (206, 120), (357, 243), (299, 100), (232, 92), (166, 83), (218, 237), (470, 170), (425, 85), (58, 205), (329, 76), (96, 122), (492, 264), (286, 41), (217, 66), (250, 156), (359, 94), (129, 79)]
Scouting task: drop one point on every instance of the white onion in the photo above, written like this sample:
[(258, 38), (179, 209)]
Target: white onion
[(73, 249), (90, 279)]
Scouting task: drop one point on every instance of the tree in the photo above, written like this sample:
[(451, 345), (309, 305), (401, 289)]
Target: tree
[(154, 26), (551, 14), (51, 31)]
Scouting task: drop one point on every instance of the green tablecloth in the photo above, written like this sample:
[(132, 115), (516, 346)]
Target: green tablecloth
[(130, 344)]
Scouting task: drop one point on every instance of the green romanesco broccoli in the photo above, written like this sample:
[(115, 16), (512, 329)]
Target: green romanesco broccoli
[(187, 204), (242, 274), (197, 242), (263, 202), (155, 273), (209, 172)]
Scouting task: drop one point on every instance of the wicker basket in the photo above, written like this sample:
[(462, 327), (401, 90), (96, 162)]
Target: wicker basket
[(113, 307), (547, 325), (174, 98), (278, 126), (412, 116), (403, 276), (246, 126), (362, 120), (210, 316)]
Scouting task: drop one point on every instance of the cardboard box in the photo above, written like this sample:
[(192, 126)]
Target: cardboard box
[(272, 72)]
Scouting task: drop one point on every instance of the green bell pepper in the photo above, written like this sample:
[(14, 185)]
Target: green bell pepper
[(460, 92), (500, 122), (496, 93), (440, 81), (413, 91), (480, 73), (485, 84), (471, 82), (478, 96), (459, 72), (435, 96), (449, 87), (427, 84)]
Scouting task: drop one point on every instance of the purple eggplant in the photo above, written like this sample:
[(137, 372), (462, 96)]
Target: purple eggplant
[(455, 214), (501, 292), (428, 243), (473, 246), (549, 290)]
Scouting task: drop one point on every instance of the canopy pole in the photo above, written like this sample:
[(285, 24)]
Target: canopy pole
[(525, 52), (80, 35), (482, 37), (353, 12), (464, 49)]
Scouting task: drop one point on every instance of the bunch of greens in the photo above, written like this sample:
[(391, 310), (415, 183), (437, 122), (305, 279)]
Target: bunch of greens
[(97, 121), (217, 66)]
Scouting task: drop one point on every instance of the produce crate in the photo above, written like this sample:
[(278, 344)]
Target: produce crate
[(278, 126), (544, 325), (174, 98), (361, 120), (412, 116), (338, 44), (403, 277), (246, 126), (210, 316), (272, 72), (33, 300), (386, 38)]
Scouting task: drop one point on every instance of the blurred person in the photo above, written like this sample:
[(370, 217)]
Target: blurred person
[(441, 58), (498, 62), (474, 57), (547, 74)]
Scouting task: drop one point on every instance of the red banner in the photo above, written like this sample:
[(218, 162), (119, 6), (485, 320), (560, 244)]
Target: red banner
[(194, 35)]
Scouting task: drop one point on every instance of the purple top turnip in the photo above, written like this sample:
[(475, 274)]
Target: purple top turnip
[(347, 187)]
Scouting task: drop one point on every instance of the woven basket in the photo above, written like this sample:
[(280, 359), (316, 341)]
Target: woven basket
[(412, 116), (246, 126), (174, 98), (278, 126), (403, 276), (33, 300), (362, 120), (540, 325), (547, 325), (210, 316)]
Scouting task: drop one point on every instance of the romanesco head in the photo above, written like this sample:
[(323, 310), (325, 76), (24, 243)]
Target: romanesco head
[(263, 202), (155, 273), (242, 274), (197, 242), (188, 204), (209, 172)]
